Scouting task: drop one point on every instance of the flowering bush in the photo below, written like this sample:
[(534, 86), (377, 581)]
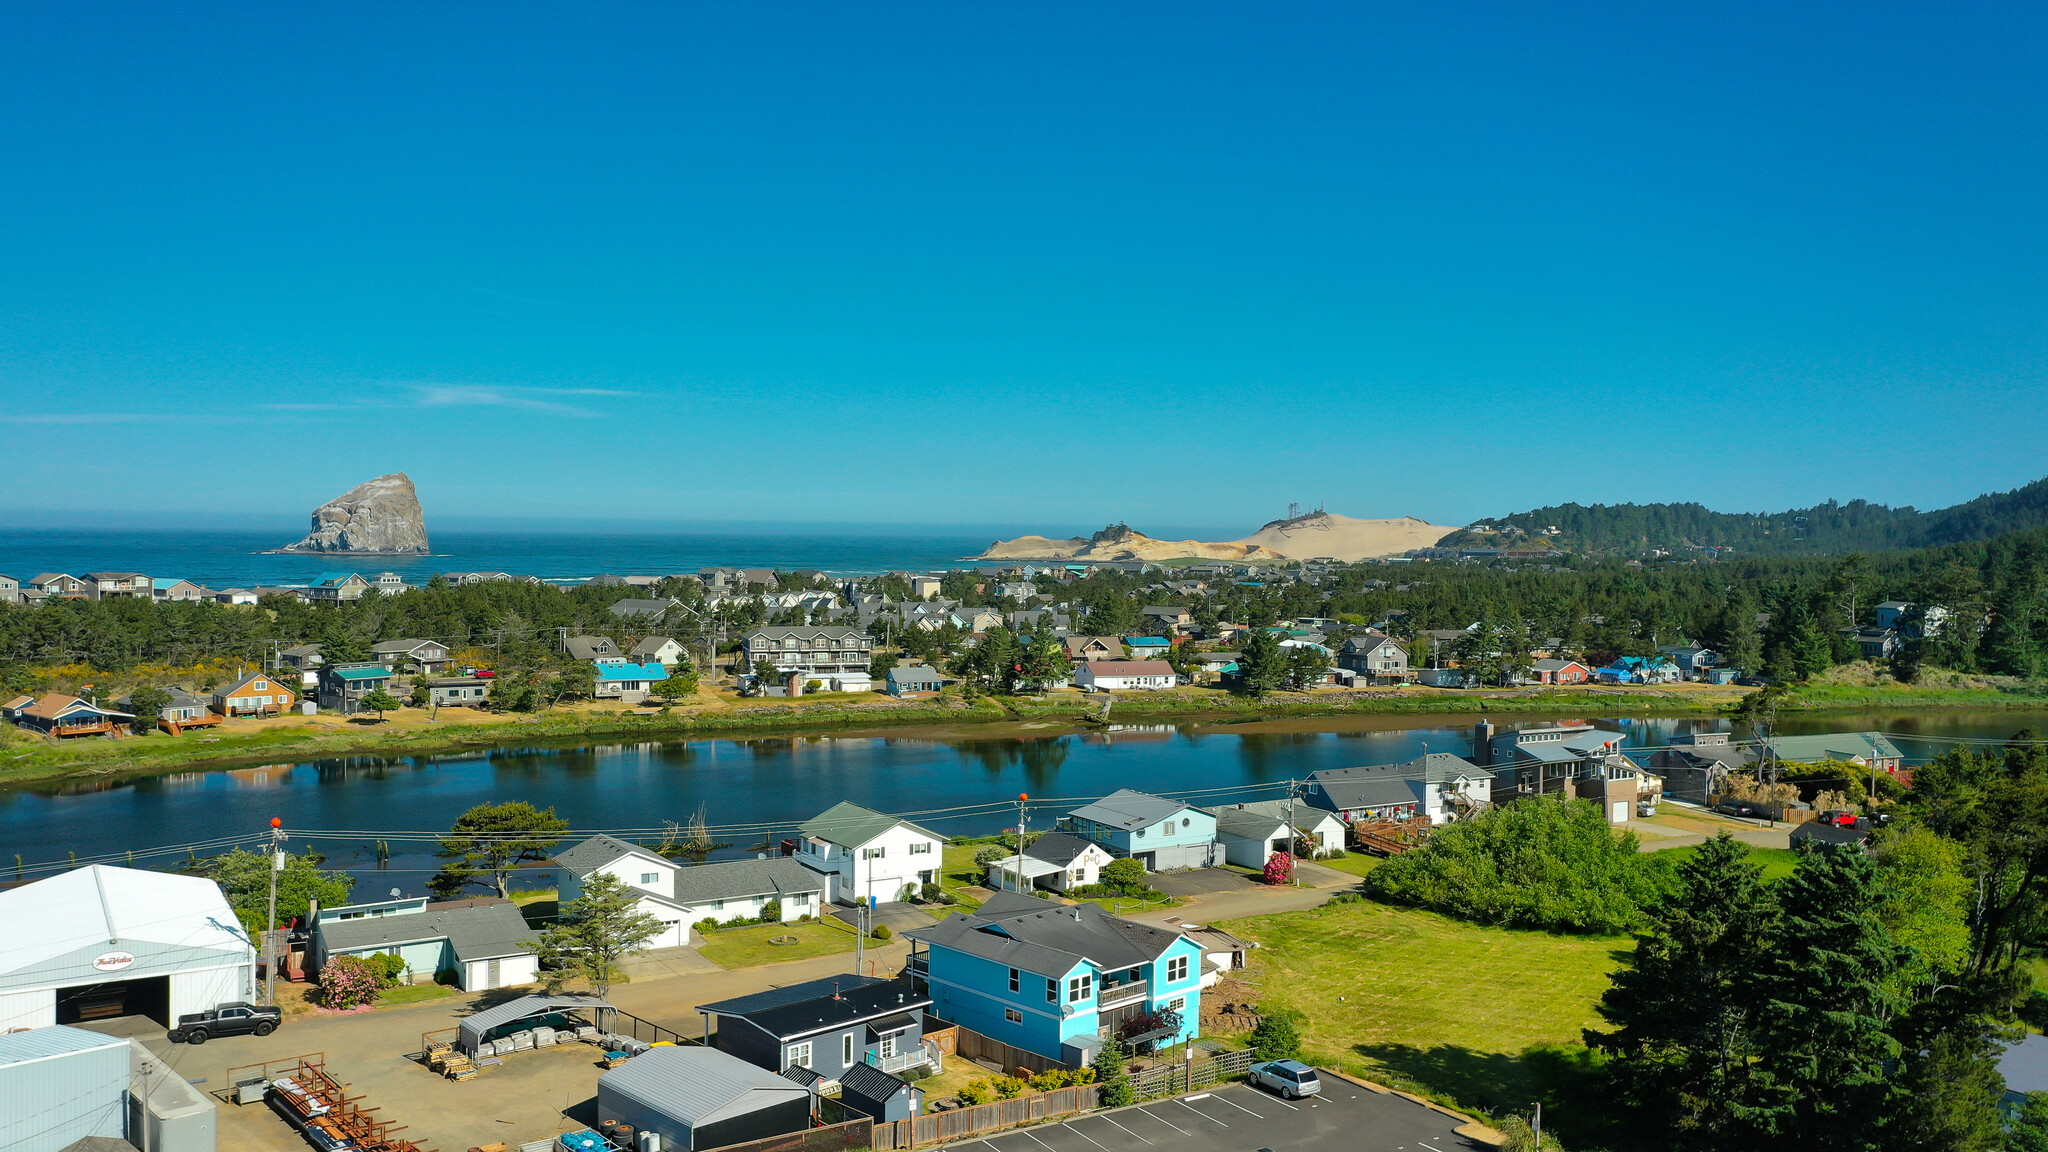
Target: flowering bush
[(1279, 868), (347, 982)]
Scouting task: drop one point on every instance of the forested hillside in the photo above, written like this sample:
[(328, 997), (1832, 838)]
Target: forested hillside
[(1825, 529)]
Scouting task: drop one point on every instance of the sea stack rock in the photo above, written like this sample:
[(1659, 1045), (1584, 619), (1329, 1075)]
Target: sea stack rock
[(381, 515)]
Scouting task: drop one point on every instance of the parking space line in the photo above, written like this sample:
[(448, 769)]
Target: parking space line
[(1240, 1107), (1083, 1135), (1037, 1141), (1202, 1114), (1428, 1145), (1133, 1135), (1283, 1104), (1164, 1120)]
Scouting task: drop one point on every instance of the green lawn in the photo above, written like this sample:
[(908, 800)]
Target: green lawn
[(1423, 1001), (746, 947), (412, 994), (1777, 862), (958, 871), (1356, 863)]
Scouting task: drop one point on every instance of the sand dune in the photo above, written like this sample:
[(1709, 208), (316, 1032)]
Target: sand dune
[(1343, 538)]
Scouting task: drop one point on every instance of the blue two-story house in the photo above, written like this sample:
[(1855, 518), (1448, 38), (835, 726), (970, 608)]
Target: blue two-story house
[(1059, 979), (1160, 834)]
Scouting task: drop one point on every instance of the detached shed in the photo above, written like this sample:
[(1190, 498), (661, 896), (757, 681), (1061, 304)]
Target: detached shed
[(60, 1085), (868, 1089), (698, 1098)]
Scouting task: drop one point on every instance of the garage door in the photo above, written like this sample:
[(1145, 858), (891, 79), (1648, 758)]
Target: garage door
[(1620, 812), (149, 996)]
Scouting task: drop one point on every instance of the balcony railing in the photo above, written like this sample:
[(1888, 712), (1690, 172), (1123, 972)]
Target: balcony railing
[(1113, 995), (926, 1053)]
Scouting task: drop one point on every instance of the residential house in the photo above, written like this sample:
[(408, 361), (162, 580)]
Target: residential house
[(1870, 749), (1085, 648), (830, 1025), (10, 710), (257, 694), (1576, 761), (868, 855), (184, 711), (1437, 787), (807, 649), (663, 650), (627, 683), (923, 586), (1120, 675), (681, 897), (979, 619), (1147, 647), (109, 585), (10, 590), (390, 584), (596, 649), (306, 660), (1874, 643), (1639, 670), (1160, 834), (1251, 832), (66, 716), (1382, 658), (1697, 765), (1692, 660), (60, 585), (638, 609), (1900, 615), (459, 691), (335, 588), (1059, 980), (174, 589), (1211, 665), (692, 1098), (1058, 861), (475, 944), (1032, 620), (236, 596), (1019, 590), (426, 655), (343, 686), (914, 680), (1169, 617), (1554, 671)]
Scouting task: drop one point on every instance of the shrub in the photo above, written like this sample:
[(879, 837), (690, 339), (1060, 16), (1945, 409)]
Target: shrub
[(707, 925), (931, 894), (771, 912), (884, 932), (1123, 874), (1109, 1068), (1009, 1087), (976, 1092), (1278, 1037), (1542, 864), (388, 968), (993, 854), (347, 982), (1279, 868), (1061, 1078)]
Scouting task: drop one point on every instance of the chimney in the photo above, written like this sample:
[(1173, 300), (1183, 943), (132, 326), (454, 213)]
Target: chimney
[(1482, 743)]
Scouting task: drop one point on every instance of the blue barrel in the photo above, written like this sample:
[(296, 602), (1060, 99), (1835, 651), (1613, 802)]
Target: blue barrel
[(584, 1141)]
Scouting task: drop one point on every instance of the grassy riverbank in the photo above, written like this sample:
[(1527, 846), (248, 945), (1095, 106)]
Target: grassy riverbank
[(27, 759)]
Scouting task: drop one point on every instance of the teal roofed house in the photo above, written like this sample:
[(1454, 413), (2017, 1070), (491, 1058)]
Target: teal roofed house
[(343, 686), (1148, 647), (1058, 980), (628, 683), (335, 587)]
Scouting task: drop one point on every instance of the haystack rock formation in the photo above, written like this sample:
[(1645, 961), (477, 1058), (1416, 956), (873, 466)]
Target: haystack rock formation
[(376, 516)]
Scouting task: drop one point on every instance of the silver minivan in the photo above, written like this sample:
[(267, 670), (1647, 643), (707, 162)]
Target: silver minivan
[(1289, 1078)]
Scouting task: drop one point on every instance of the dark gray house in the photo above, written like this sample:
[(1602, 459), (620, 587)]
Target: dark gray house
[(699, 1098), (828, 1026), (868, 1089)]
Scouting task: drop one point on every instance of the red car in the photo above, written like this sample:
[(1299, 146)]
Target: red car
[(1839, 817)]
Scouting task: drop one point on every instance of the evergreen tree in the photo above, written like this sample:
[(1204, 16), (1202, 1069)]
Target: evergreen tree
[(594, 933), (1261, 662), (491, 840), (1735, 636), (1683, 1011), (1112, 1072), (1825, 982)]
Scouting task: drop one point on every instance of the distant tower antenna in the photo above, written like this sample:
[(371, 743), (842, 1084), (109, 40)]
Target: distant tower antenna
[(1293, 509)]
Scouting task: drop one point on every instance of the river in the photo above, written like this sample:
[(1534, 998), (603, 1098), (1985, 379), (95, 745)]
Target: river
[(754, 791)]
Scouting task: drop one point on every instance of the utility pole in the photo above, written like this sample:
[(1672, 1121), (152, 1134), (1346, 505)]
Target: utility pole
[(1537, 1127), (270, 921), (1292, 879), (1022, 798)]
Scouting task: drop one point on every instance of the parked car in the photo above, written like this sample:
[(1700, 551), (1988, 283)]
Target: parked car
[(1735, 808), (1753, 682), (1289, 1078), (227, 1020), (1839, 817)]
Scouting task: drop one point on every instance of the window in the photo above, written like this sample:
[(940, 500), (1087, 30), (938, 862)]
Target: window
[(1016, 980), (921, 848), (1080, 988), (650, 877), (1141, 833), (718, 905), (846, 1050), (887, 1049), (1179, 1005), (1177, 968), (872, 853), (799, 1055), (1013, 1016), (1187, 821), (1052, 991)]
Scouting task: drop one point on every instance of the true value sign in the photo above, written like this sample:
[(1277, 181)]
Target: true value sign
[(112, 961)]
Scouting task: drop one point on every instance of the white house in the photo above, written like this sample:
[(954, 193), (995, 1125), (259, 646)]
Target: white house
[(1438, 786), (662, 650), (1114, 675), (1251, 832), (680, 896), (627, 683), (867, 855), (1057, 860)]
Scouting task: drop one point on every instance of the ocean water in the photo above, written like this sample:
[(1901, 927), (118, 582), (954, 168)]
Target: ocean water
[(224, 559)]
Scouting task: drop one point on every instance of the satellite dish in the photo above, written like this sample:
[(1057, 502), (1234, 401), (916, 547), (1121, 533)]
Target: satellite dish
[(395, 893)]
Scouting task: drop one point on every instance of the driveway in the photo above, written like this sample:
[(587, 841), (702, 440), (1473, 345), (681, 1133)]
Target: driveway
[(1239, 1118), (898, 915), (1200, 882)]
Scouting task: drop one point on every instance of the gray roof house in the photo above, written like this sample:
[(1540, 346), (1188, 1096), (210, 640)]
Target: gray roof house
[(829, 1025), (428, 654), (1161, 834), (592, 648), (1435, 786), (681, 896), (1251, 832), (908, 678), (866, 1088), (477, 939), (698, 1098), (636, 609)]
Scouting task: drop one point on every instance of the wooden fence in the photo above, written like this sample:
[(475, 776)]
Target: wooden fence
[(972, 1045), (1172, 1079), (961, 1123), (942, 1036), (853, 1134)]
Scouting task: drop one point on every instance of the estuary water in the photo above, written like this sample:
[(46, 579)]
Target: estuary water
[(753, 792)]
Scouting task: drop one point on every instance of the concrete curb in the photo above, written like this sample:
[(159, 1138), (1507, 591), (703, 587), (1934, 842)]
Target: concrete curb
[(1468, 1126)]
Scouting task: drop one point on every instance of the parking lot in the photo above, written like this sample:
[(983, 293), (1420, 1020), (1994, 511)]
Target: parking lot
[(1243, 1119)]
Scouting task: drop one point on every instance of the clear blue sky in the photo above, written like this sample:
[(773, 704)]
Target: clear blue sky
[(1041, 266)]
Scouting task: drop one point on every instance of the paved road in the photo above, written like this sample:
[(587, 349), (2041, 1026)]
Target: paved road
[(1243, 1119)]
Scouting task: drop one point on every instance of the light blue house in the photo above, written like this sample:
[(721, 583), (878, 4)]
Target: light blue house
[(1148, 647), (1059, 979), (1639, 670), (1160, 834)]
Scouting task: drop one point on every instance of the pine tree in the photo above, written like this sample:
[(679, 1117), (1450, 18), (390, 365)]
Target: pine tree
[(1684, 1011), (1825, 1039), (1261, 662), (595, 932)]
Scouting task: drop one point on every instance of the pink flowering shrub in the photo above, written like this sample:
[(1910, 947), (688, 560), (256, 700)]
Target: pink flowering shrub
[(347, 983), (1279, 868)]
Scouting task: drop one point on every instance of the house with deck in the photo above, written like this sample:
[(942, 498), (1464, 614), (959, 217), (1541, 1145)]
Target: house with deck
[(111, 585), (1437, 787), (428, 656), (829, 1026), (343, 686), (1382, 659), (185, 711), (335, 588), (868, 855), (627, 683), (1057, 979), (173, 589), (1160, 834), (257, 694), (67, 716)]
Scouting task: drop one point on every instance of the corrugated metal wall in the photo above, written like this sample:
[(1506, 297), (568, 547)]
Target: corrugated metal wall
[(49, 1103)]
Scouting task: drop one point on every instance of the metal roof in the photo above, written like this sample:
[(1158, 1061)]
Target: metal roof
[(1125, 808), (818, 1005), (473, 1027), (56, 1040), (872, 1083), (109, 909), (631, 672), (851, 825), (695, 1086)]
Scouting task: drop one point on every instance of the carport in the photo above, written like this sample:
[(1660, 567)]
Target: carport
[(513, 1014)]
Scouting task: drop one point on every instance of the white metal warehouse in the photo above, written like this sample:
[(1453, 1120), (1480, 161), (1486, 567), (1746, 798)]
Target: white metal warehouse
[(102, 941)]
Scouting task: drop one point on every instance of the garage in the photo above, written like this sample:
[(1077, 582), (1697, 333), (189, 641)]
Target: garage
[(99, 942)]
